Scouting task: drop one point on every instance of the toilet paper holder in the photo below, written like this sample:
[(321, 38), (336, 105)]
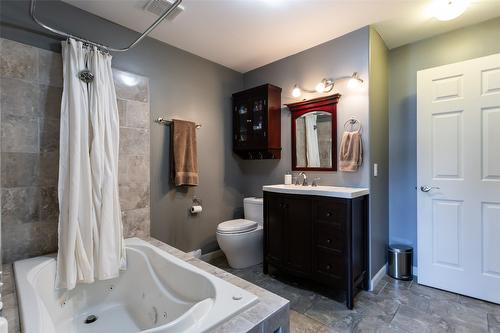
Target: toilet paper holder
[(196, 207)]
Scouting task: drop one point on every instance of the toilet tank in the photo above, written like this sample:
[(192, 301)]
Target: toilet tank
[(254, 209)]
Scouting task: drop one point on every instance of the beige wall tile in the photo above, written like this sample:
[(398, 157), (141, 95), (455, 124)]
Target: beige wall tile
[(19, 169), (136, 223), (130, 86), (49, 134), (137, 114), (49, 205), (49, 102), (19, 134), (50, 70), (48, 169), (134, 196), (20, 205), (17, 60), (134, 141), (18, 97)]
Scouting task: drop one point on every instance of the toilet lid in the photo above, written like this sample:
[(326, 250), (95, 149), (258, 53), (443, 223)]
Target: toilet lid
[(236, 226)]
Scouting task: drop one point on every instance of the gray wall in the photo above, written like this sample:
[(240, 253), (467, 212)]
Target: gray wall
[(404, 62), (336, 58), (181, 85), (379, 150), (339, 57)]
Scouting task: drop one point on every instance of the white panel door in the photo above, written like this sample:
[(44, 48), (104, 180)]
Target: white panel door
[(458, 148)]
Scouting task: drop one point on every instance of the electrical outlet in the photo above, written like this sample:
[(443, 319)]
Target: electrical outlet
[(375, 169)]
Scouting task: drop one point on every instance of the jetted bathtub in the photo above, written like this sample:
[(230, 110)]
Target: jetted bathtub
[(157, 293)]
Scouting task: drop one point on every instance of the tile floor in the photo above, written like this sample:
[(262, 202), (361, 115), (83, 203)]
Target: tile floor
[(394, 306)]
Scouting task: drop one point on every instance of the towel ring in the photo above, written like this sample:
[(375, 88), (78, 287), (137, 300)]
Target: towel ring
[(353, 123)]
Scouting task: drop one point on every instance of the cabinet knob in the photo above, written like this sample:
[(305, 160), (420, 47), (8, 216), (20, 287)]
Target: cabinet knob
[(327, 267), (328, 241), (249, 120), (329, 214)]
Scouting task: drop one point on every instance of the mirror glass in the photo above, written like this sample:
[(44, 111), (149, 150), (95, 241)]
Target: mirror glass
[(313, 140)]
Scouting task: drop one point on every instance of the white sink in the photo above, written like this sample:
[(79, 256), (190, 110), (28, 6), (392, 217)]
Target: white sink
[(326, 191)]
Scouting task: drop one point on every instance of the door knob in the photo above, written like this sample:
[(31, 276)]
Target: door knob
[(427, 188)]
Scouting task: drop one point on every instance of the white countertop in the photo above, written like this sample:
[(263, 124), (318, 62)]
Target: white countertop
[(325, 191)]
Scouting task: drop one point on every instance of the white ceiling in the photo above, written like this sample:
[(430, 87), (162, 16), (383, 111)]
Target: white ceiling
[(246, 34)]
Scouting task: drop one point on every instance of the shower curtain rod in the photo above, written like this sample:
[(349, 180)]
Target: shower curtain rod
[(102, 46)]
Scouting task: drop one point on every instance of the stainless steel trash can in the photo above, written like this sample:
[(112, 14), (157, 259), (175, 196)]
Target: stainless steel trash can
[(400, 261)]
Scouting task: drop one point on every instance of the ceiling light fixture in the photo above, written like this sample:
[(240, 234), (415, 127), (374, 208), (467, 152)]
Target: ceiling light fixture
[(445, 10), (326, 85)]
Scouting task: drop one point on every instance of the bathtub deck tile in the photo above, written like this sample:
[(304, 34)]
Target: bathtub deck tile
[(11, 312)]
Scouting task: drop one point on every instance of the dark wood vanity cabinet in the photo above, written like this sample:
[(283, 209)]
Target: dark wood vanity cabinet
[(322, 239), (257, 122)]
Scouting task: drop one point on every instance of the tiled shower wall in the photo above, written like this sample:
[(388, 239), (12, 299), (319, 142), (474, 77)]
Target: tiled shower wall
[(30, 97)]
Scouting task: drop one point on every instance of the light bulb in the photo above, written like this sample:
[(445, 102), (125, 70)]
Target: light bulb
[(320, 87), (353, 83), (445, 10), (296, 91)]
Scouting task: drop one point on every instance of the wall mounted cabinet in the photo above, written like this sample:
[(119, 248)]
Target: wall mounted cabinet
[(257, 122)]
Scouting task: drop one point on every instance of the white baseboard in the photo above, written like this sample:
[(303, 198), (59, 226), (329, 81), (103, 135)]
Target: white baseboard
[(376, 279), (211, 255)]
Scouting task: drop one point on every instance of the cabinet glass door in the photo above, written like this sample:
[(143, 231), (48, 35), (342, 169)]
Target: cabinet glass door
[(258, 126), (243, 120)]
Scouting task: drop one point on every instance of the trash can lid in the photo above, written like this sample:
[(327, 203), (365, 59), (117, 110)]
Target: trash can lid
[(400, 248)]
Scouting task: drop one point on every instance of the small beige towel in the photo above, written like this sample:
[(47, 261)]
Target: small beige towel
[(184, 160), (351, 151)]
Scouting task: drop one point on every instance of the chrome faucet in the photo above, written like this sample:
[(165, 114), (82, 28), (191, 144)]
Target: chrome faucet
[(304, 182)]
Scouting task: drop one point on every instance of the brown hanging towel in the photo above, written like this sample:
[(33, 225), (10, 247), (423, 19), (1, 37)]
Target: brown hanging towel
[(184, 160), (351, 151)]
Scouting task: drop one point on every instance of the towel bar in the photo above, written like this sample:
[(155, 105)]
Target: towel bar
[(166, 122)]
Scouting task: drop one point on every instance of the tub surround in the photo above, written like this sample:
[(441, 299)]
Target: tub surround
[(324, 191), (31, 88), (267, 315)]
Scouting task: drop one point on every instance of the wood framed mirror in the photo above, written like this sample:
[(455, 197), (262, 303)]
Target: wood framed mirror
[(314, 134)]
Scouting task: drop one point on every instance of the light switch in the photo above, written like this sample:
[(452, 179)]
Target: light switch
[(375, 169)]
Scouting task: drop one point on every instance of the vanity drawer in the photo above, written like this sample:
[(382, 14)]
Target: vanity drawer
[(328, 263), (331, 211), (327, 236)]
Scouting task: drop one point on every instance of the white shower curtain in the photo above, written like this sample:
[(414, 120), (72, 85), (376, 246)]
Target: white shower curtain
[(312, 144), (90, 228)]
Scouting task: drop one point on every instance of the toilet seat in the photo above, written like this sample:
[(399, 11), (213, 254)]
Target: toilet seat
[(237, 226)]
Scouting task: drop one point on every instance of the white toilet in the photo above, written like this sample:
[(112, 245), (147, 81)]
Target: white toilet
[(241, 240)]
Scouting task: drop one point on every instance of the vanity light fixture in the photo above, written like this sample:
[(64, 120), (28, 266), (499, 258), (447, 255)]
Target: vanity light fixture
[(296, 92), (326, 85), (355, 81)]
